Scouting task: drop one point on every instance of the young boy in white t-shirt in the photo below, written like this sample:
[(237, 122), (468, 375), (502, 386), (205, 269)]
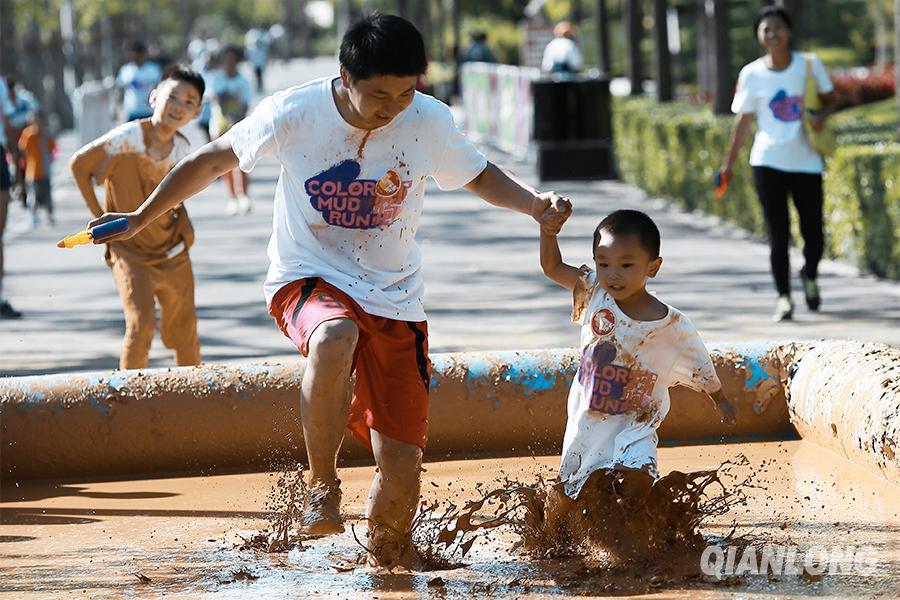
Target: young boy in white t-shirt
[(634, 347)]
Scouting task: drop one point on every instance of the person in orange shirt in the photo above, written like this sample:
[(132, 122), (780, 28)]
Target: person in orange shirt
[(39, 148)]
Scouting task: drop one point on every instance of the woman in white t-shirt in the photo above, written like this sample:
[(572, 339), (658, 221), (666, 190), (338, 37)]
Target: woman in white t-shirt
[(770, 89)]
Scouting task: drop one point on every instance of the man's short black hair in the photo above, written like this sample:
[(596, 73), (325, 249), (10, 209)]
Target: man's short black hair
[(187, 75), (383, 45), (631, 222), (772, 11), (138, 47)]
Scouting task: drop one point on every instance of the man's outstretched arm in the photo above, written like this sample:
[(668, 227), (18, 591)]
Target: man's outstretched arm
[(500, 189), (190, 176)]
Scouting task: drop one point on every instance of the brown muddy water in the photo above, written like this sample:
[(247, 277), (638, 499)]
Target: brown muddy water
[(183, 536)]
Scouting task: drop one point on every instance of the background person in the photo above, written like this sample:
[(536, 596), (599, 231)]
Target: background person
[(562, 56), (155, 265), (477, 50), (770, 91), (23, 106), (6, 107), (230, 95), (38, 146), (135, 80)]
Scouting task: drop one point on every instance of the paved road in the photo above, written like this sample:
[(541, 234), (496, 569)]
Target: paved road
[(484, 289)]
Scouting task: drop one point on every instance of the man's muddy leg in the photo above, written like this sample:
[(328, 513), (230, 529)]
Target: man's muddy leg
[(393, 498), (324, 409)]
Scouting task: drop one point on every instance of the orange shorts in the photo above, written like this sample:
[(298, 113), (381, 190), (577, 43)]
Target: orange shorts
[(393, 372)]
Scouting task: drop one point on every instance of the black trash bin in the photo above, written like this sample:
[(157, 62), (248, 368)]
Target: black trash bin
[(573, 128)]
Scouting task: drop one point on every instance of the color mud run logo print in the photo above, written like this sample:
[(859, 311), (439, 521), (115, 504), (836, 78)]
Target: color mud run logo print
[(786, 108), (612, 389), (603, 322), (346, 201)]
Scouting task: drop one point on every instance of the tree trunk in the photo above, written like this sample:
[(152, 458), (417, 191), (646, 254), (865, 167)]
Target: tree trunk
[(795, 9), (422, 22), (440, 22), (576, 13), (8, 36), (704, 52), (879, 19), (603, 58), (897, 61), (304, 30), (457, 24), (57, 101), (663, 58), (343, 17), (722, 57), (633, 42)]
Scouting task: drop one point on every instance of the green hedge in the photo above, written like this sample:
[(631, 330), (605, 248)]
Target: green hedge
[(675, 149)]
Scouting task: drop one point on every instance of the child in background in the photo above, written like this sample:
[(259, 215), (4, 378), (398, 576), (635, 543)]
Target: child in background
[(231, 97), (634, 347), (153, 266), (38, 146)]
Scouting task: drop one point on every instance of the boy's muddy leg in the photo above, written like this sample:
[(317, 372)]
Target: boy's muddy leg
[(134, 283), (324, 409), (392, 499)]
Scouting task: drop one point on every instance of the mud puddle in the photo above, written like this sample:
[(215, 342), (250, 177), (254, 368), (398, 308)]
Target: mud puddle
[(183, 536)]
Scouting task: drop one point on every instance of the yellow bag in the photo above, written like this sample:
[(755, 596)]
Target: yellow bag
[(822, 141)]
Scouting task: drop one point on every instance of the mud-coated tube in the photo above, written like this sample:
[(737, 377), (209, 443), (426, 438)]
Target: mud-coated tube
[(845, 396), (212, 417)]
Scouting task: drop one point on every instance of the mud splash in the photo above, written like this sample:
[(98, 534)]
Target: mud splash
[(619, 518), (285, 502)]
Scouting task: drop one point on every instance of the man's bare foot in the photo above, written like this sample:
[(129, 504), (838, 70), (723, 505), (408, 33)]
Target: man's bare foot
[(388, 549), (323, 510)]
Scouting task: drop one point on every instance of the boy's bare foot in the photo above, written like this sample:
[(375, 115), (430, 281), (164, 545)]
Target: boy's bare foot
[(323, 510)]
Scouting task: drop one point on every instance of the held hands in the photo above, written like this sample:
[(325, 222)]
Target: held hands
[(134, 225), (551, 210)]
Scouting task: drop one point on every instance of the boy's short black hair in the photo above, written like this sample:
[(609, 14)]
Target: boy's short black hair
[(772, 11), (383, 45), (187, 75), (138, 47), (631, 222)]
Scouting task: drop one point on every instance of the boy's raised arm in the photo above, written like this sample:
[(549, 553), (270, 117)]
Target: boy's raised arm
[(189, 177), (552, 264)]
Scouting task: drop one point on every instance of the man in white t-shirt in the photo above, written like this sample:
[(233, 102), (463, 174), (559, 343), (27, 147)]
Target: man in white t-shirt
[(135, 81), (345, 280)]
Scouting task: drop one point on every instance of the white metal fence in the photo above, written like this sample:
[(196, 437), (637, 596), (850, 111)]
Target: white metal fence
[(498, 105)]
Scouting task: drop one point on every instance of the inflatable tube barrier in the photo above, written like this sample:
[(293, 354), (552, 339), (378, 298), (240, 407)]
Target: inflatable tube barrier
[(845, 396), (214, 417)]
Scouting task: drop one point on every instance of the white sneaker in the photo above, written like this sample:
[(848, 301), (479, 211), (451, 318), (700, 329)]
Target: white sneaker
[(244, 204), (231, 208), (784, 309)]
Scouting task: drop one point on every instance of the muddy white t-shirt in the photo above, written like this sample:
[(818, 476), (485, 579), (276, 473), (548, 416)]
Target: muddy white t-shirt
[(620, 394), (776, 97), (348, 202)]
